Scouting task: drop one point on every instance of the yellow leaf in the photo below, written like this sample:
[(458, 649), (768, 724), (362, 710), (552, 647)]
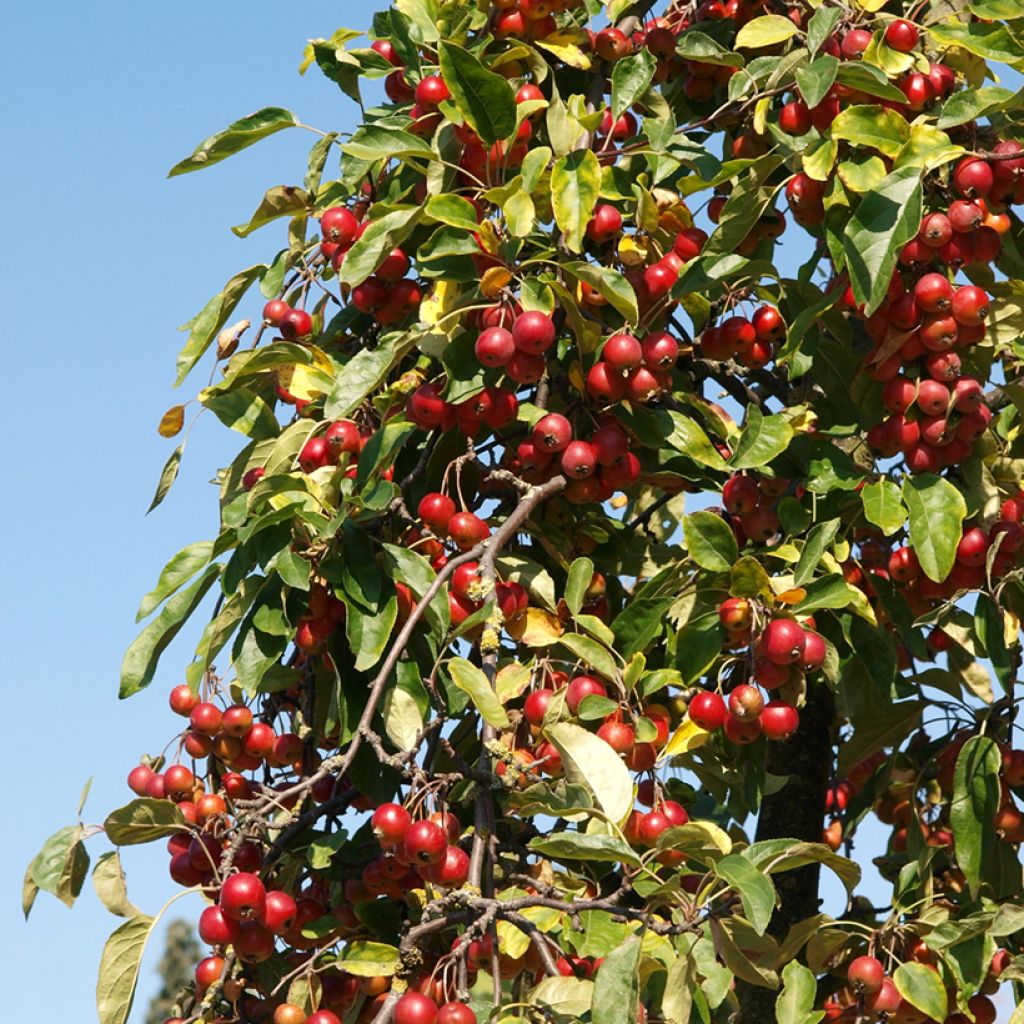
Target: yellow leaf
[(688, 736), (576, 377), (304, 382), (761, 114), (793, 596), (494, 279), (171, 422), (631, 252), (537, 628), (566, 45), (767, 30), (489, 237), (439, 302)]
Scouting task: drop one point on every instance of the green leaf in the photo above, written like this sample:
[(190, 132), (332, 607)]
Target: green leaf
[(816, 78), (869, 79), (762, 439), (822, 24), (872, 732), (990, 627), (777, 855), (975, 801), (768, 30), (484, 99), (872, 126), (575, 188), (205, 325), (922, 987), (369, 959), (754, 889), (142, 821), (795, 1004), (590, 651), (581, 572), (937, 511), (167, 477), (119, 969), (60, 866), (617, 984), (454, 211), (884, 221), (969, 104), (109, 882), (687, 436), (562, 998), (568, 846), (817, 543), (374, 142), (883, 506), (710, 541), (609, 283), (243, 410), (752, 194), (411, 568), (589, 761), (237, 136), (140, 660), (696, 45), (472, 681), (383, 234), (323, 848), (631, 78), (403, 720), (363, 374), (992, 41), (178, 571), (279, 201)]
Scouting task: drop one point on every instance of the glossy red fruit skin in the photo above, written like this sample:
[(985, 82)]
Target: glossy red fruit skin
[(425, 842), (216, 928), (552, 433), (536, 706), (182, 700), (779, 720), (389, 823), (243, 896), (533, 332), (782, 641), (495, 347), (436, 511), (901, 35), (279, 912), (973, 177), (605, 224), (866, 974), (707, 710), (622, 352), (795, 118), (456, 1013), (580, 687)]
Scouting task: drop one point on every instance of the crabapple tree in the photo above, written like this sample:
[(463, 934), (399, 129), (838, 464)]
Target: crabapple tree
[(625, 535)]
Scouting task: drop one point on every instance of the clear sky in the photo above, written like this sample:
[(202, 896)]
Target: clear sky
[(103, 258)]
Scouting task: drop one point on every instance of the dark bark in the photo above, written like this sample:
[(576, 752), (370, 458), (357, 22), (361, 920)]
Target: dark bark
[(795, 812)]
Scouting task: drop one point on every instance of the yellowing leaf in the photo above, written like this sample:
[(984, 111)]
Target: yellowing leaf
[(537, 628), (172, 421), (767, 30), (494, 279), (439, 302), (590, 762), (304, 382), (688, 736), (566, 45), (792, 596)]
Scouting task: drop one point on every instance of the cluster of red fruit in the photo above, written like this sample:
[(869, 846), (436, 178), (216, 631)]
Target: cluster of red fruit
[(870, 992), (784, 650), (750, 501), (749, 340), (618, 729), (968, 572), (493, 407), (646, 828)]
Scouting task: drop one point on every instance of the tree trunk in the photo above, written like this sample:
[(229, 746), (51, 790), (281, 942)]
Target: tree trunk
[(795, 812)]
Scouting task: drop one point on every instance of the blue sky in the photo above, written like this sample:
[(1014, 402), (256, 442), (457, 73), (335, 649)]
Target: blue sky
[(104, 257)]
